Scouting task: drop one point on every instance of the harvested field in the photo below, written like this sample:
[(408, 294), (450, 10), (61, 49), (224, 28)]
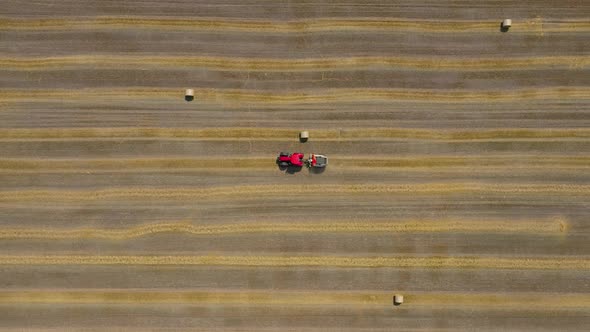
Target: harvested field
[(458, 176), (544, 227)]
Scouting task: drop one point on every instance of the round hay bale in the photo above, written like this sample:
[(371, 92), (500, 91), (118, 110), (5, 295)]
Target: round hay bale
[(304, 136), (189, 94)]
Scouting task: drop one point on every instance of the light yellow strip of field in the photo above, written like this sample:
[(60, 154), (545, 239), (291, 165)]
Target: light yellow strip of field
[(301, 26), (524, 263), (194, 297), (544, 227), (180, 193), (276, 133), (327, 96), (344, 162), (290, 65), (524, 301)]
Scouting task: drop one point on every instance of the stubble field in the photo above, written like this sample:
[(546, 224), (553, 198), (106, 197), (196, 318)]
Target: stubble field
[(459, 169)]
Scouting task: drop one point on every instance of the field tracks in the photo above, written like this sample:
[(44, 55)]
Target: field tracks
[(530, 26), (434, 262), (288, 134), (179, 193), (522, 301), (294, 65), (540, 227), (321, 96)]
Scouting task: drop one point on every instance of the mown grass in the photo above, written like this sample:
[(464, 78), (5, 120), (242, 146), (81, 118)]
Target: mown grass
[(516, 263), (292, 65), (543, 227), (277, 133)]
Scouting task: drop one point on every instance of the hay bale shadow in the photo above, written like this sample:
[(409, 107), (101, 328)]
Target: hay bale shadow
[(503, 28)]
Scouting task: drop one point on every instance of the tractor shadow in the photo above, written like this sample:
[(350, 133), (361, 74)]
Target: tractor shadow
[(503, 28), (293, 169), (289, 169), (317, 170)]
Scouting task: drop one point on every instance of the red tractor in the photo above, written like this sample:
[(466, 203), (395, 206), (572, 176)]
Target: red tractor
[(296, 159), (285, 159)]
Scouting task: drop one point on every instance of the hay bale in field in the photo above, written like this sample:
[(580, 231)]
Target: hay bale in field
[(506, 24), (189, 94), (303, 136)]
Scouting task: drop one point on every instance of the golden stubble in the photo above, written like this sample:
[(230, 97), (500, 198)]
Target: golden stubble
[(512, 301), (540, 227), (511, 263), (293, 65), (529, 26)]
